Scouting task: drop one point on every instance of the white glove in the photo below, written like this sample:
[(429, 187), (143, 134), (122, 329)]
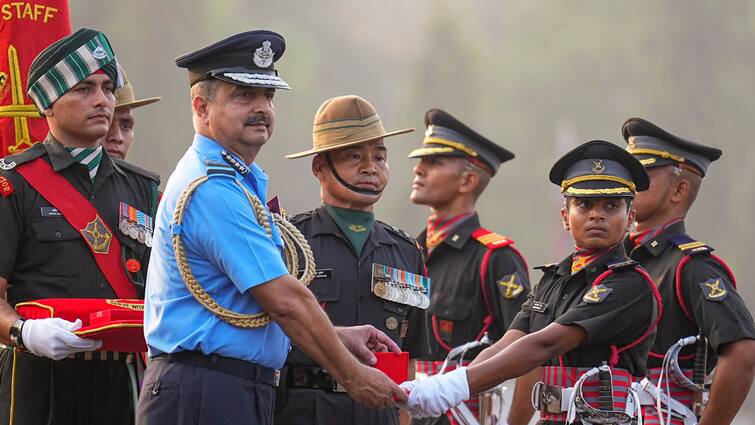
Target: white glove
[(54, 338), (432, 397)]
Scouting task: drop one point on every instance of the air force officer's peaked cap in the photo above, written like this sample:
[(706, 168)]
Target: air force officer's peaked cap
[(246, 59)]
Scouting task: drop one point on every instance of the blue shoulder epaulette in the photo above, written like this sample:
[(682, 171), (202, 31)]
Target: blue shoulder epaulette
[(218, 169), (689, 246), (621, 264)]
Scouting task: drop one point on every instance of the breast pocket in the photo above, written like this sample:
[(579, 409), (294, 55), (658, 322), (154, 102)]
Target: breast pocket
[(325, 286), (58, 248)]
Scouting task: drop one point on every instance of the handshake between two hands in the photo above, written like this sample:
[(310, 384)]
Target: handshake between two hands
[(432, 397)]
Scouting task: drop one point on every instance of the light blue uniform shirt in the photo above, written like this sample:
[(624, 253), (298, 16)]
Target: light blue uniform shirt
[(228, 252)]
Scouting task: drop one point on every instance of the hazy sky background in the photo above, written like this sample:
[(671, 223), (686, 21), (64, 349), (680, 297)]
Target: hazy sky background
[(538, 77)]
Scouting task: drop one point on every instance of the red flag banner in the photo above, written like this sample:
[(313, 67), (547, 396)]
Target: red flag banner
[(26, 28)]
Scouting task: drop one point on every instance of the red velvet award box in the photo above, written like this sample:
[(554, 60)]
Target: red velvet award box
[(119, 323)]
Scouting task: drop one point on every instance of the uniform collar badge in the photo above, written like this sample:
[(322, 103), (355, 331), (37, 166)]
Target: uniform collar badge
[(263, 56)]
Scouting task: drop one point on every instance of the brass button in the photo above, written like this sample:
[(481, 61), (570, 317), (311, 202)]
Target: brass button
[(391, 323)]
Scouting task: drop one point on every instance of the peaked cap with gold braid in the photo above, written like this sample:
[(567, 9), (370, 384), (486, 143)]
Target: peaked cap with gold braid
[(599, 169), (656, 147)]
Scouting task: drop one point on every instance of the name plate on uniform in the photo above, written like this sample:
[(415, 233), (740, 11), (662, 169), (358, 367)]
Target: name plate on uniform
[(400, 286)]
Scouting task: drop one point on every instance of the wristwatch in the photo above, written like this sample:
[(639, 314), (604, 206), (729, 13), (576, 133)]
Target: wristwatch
[(15, 333)]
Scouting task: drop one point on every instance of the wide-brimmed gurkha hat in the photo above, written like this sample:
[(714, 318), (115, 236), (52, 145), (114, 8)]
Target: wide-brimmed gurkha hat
[(656, 147), (447, 136), (599, 169), (124, 96), (345, 121), (245, 59), (67, 62)]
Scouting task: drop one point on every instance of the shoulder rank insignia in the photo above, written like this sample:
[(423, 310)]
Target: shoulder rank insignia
[(490, 239), (714, 289), (621, 265), (689, 246), (235, 163), (546, 267), (511, 286), (6, 166), (597, 294)]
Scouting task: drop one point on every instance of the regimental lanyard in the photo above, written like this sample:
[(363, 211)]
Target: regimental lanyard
[(400, 286)]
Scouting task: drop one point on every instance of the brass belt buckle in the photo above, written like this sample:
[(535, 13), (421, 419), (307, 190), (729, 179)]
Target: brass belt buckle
[(552, 399)]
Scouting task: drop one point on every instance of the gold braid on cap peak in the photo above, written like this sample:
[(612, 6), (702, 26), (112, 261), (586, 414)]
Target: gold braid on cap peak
[(656, 152), (630, 187), (456, 145), (606, 191)]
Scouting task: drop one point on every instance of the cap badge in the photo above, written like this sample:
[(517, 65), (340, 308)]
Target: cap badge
[(263, 56), (632, 144), (99, 53), (598, 167)]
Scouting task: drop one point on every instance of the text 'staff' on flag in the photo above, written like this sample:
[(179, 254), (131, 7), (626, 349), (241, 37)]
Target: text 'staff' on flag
[(26, 28)]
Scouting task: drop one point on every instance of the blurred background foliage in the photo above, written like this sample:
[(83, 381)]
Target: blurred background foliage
[(538, 77)]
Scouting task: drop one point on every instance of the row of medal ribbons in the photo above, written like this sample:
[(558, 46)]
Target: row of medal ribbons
[(136, 224), (400, 286)]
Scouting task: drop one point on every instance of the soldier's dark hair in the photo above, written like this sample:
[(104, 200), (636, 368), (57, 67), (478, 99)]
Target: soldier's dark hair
[(483, 177)]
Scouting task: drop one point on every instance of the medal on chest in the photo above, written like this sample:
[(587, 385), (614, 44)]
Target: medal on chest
[(400, 286)]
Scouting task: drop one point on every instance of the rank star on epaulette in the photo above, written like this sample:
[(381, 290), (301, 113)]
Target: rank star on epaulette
[(597, 294), (713, 289), (510, 286)]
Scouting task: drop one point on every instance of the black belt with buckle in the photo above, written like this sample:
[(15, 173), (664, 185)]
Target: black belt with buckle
[(229, 365), (311, 377)]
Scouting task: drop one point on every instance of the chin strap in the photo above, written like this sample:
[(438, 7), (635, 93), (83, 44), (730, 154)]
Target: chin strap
[(347, 185)]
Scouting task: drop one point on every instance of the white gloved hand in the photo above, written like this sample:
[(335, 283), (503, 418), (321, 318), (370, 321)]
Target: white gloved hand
[(432, 397), (54, 338)]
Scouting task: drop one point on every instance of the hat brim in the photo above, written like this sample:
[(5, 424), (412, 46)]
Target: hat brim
[(346, 144), (598, 189), (436, 150), (138, 103), (253, 79)]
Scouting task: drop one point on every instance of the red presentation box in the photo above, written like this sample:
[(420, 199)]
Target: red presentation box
[(119, 323), (395, 365)]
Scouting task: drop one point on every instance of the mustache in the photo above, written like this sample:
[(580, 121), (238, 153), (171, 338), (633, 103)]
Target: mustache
[(257, 119)]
